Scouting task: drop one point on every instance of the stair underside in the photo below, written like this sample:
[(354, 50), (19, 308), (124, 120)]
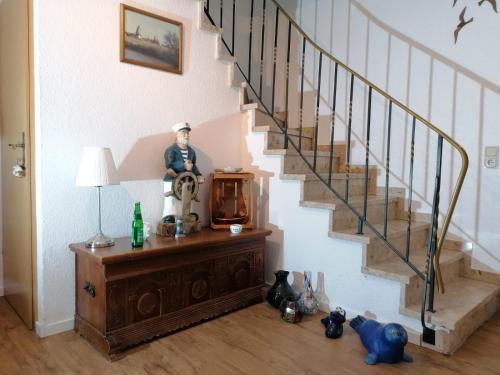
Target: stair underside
[(466, 304)]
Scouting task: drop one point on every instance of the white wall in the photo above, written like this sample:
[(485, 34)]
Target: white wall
[(407, 48), (85, 96)]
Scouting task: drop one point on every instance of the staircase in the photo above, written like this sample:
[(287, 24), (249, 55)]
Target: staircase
[(380, 256)]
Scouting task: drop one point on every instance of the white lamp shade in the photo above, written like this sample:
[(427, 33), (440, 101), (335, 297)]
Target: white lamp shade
[(97, 168)]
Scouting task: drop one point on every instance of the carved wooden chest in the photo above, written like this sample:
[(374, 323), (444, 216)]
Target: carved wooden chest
[(125, 296)]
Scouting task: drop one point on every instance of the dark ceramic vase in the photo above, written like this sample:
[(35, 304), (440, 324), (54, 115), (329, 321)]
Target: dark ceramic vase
[(280, 289)]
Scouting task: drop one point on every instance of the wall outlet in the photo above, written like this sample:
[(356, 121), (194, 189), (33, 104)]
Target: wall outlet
[(491, 156)]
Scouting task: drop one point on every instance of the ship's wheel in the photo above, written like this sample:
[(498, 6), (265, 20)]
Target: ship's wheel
[(185, 177)]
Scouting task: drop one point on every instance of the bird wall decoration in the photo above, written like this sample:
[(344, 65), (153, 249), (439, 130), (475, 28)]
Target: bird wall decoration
[(492, 2), (461, 18), (461, 24)]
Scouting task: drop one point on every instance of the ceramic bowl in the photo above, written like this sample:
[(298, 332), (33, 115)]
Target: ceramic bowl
[(232, 170), (236, 228)]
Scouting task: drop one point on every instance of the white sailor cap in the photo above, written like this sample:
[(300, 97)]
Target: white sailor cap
[(181, 126)]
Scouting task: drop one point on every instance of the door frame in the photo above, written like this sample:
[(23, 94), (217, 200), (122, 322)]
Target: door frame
[(32, 161)]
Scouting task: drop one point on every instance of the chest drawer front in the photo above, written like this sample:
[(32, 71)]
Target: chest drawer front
[(116, 316), (145, 297), (150, 295), (175, 299)]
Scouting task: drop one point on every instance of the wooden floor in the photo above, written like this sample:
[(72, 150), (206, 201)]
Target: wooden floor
[(250, 341)]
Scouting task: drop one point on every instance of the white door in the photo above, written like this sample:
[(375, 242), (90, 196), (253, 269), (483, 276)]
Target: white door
[(16, 191)]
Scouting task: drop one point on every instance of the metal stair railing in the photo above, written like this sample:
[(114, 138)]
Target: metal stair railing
[(214, 10)]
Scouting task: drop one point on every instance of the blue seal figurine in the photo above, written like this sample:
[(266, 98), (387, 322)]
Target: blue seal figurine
[(385, 343), (333, 323)]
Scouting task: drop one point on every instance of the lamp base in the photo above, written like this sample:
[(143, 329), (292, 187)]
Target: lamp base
[(99, 240)]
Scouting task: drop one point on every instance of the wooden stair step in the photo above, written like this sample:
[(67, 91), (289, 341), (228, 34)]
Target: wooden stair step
[(276, 140), (397, 270), (204, 23), (459, 304), (357, 201), (276, 125), (291, 132), (455, 242), (308, 153), (226, 57), (261, 128), (394, 228), (263, 118), (248, 106), (315, 188), (313, 177), (293, 163)]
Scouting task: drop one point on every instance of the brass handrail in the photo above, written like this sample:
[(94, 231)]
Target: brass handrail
[(451, 141)]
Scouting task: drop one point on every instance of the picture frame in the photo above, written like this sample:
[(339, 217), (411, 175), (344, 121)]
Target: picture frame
[(150, 40)]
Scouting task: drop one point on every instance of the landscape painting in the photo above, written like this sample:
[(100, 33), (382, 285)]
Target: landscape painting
[(150, 40)]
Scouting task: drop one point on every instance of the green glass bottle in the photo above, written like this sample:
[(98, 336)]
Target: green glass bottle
[(137, 227)]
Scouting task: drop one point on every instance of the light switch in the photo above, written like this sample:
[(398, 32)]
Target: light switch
[(491, 156)]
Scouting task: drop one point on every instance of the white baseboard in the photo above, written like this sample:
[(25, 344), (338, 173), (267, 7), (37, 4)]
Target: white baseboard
[(54, 328)]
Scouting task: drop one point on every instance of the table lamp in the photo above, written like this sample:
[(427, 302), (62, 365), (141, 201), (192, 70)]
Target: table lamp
[(97, 169)]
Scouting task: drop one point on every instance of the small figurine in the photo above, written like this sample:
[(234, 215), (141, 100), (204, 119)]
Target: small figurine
[(179, 158), (385, 343), (181, 185), (334, 323), (179, 229)]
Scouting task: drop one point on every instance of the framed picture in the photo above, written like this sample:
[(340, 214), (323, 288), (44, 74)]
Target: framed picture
[(150, 40)]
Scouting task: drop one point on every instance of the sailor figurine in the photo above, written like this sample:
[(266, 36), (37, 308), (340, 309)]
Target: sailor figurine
[(180, 157)]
